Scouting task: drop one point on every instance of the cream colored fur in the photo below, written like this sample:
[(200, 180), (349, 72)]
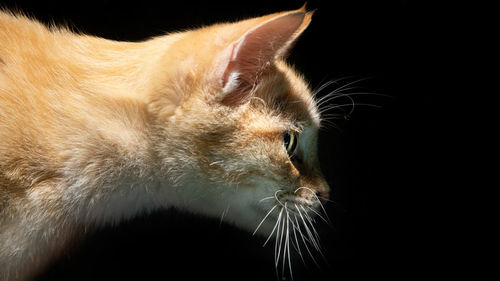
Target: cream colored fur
[(93, 131)]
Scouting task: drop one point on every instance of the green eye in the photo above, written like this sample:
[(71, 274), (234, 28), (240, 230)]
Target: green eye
[(290, 141)]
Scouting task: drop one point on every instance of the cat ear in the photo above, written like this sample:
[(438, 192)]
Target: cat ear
[(244, 59)]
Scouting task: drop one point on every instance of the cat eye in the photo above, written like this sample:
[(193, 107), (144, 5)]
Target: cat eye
[(290, 141)]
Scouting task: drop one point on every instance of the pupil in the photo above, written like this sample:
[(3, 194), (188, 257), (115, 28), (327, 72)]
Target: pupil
[(286, 139)]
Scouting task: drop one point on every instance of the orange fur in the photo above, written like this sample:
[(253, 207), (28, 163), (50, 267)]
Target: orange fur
[(88, 125)]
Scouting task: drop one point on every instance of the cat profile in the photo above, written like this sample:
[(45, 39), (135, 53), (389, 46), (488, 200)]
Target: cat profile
[(210, 120)]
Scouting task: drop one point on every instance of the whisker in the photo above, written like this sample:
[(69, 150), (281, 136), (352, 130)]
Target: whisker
[(339, 106), (297, 241), (341, 92), (326, 199), (277, 249), (276, 197), (310, 220), (315, 234), (266, 198), (331, 116), (352, 102), (309, 234), (324, 211), (323, 86), (274, 228), (319, 201), (360, 93), (304, 241), (286, 249), (335, 94), (306, 188), (276, 254), (328, 83), (329, 124), (318, 214), (317, 237), (352, 83), (268, 213), (280, 234)]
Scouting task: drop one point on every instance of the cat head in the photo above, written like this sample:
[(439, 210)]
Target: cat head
[(239, 126)]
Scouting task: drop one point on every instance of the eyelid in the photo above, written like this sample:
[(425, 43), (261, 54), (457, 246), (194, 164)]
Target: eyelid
[(297, 128)]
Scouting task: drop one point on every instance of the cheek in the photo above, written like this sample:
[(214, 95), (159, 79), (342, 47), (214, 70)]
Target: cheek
[(244, 156), (293, 172), (283, 173)]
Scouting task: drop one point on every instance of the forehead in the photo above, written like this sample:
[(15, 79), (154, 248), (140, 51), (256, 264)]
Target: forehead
[(285, 94)]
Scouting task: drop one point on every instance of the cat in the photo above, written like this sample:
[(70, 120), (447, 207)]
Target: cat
[(211, 121)]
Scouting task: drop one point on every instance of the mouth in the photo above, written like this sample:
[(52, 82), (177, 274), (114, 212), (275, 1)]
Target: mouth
[(288, 206), (290, 222)]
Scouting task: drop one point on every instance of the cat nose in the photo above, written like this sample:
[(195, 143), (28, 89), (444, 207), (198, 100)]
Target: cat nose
[(323, 194), (312, 194)]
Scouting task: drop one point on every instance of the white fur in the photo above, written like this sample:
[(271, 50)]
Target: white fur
[(232, 82)]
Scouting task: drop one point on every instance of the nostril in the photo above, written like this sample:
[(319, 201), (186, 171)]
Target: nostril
[(313, 194)]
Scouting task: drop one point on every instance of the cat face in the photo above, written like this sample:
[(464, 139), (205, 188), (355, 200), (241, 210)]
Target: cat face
[(265, 151), (245, 123)]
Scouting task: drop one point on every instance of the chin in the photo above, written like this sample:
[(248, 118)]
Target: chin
[(273, 216), (257, 219)]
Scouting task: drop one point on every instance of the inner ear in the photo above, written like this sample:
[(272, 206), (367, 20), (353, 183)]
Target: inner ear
[(247, 57)]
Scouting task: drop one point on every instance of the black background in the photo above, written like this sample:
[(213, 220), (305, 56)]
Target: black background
[(394, 216)]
